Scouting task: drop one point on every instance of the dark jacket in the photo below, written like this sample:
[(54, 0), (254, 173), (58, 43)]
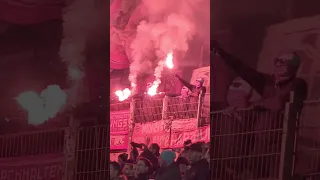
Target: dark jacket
[(142, 177), (171, 172), (130, 178), (274, 96), (151, 157), (198, 171), (118, 178)]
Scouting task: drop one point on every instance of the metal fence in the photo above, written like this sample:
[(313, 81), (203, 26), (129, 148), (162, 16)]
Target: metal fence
[(32, 143), (246, 144), (120, 106), (307, 159), (92, 153), (250, 144), (153, 109)]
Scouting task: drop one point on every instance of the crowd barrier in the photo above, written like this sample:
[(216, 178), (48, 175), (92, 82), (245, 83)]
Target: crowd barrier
[(91, 153), (149, 110), (260, 145), (33, 155), (307, 153), (32, 143), (264, 145), (154, 108), (246, 144)]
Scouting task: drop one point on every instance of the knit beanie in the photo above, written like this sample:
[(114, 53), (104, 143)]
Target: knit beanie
[(168, 155)]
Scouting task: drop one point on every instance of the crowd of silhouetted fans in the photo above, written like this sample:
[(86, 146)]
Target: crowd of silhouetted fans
[(191, 163)]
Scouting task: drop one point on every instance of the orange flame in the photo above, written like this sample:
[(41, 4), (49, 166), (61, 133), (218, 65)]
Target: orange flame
[(123, 94), (169, 61), (153, 89)]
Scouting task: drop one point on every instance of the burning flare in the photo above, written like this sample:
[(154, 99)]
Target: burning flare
[(153, 89), (158, 72), (169, 61), (123, 94)]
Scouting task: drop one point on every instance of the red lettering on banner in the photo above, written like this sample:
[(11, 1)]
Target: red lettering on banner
[(20, 169), (119, 121), (119, 141), (150, 128), (178, 138)]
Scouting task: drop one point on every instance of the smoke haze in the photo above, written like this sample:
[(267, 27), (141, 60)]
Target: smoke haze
[(42, 107), (169, 27)]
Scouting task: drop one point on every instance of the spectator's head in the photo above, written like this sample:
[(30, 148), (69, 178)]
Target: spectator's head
[(185, 153), (199, 82), (166, 158), (286, 66), (155, 149), (183, 164), (143, 166), (239, 93), (122, 158), (115, 169), (128, 169), (134, 154), (195, 152), (185, 91)]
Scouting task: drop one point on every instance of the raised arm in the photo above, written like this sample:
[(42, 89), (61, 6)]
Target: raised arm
[(185, 83), (256, 79), (173, 94)]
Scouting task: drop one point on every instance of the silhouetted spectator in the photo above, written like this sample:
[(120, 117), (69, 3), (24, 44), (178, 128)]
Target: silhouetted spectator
[(134, 154), (183, 165), (128, 170), (115, 171), (169, 169), (199, 166), (143, 169), (122, 158), (151, 153)]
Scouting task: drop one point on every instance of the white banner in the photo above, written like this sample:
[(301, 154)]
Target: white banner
[(182, 125)]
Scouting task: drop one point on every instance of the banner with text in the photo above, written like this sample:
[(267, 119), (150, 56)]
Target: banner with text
[(200, 134), (152, 127), (44, 167), (118, 141), (162, 139), (119, 121), (158, 131), (181, 125)]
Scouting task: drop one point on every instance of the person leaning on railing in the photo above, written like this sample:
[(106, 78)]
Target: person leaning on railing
[(231, 129), (196, 90), (274, 90), (178, 103)]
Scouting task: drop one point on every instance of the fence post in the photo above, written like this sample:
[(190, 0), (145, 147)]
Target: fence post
[(71, 134), (164, 107), (131, 124), (288, 140), (199, 111)]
